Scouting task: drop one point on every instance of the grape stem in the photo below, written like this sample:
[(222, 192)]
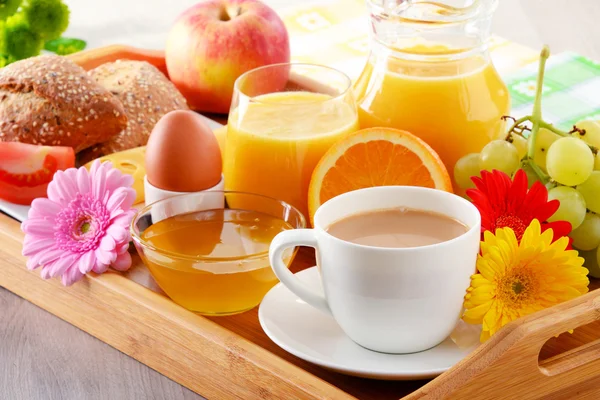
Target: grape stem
[(536, 116), (554, 129), (545, 178), (516, 123)]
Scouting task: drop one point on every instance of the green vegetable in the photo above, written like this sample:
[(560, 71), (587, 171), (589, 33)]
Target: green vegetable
[(28, 26), (5, 59), (64, 46), (8, 8), (48, 18), (19, 41)]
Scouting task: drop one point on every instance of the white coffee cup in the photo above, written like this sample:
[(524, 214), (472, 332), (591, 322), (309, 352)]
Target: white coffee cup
[(391, 300)]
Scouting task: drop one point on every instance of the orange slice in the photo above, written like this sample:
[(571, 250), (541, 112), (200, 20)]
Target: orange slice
[(376, 157)]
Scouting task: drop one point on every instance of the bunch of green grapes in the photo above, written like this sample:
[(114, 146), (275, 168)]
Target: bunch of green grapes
[(568, 163), (28, 26)]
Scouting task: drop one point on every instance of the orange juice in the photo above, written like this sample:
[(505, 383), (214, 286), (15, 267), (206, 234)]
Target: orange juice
[(454, 105), (275, 140)]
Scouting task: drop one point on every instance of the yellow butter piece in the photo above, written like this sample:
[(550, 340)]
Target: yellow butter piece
[(130, 162)]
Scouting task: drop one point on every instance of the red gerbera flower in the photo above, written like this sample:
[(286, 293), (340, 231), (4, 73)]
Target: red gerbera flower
[(503, 202)]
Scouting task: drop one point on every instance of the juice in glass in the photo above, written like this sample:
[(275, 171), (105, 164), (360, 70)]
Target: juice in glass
[(275, 140), (429, 72)]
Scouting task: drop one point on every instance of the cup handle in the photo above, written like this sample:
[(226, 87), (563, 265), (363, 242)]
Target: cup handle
[(283, 241)]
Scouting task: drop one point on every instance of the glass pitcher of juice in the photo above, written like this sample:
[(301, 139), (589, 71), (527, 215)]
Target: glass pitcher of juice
[(429, 72)]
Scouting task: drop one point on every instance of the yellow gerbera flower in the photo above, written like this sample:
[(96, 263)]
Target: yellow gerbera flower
[(516, 279)]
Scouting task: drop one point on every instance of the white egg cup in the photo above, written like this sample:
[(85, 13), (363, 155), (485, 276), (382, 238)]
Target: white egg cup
[(185, 204)]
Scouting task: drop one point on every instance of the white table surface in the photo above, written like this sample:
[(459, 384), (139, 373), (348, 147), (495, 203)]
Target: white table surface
[(565, 24), (43, 357)]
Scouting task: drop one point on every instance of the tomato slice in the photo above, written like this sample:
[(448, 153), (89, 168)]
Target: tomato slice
[(26, 169)]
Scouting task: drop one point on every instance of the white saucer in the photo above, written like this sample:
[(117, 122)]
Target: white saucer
[(315, 337)]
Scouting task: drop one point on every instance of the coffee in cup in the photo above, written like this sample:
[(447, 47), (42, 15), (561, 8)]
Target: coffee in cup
[(395, 263)]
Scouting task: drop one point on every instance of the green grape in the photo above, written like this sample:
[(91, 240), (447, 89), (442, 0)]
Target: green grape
[(532, 177), (8, 8), (543, 141), (572, 205), (48, 18), (590, 190), (465, 168), (18, 40), (587, 235), (521, 144), (597, 162), (500, 155), (592, 132), (570, 161)]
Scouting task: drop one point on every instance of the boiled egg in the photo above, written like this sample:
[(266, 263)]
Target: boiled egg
[(182, 154)]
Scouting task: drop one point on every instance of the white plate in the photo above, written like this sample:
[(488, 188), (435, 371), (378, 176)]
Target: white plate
[(19, 212), (315, 337), (16, 211)]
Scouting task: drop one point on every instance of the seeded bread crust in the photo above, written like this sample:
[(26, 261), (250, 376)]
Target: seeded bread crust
[(49, 100), (146, 95)]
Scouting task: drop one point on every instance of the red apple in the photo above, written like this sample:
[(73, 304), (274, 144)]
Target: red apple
[(215, 41)]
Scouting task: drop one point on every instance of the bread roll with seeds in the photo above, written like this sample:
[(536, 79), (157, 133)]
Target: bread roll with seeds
[(146, 95), (49, 100)]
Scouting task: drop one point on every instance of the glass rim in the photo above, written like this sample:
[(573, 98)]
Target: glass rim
[(255, 256), (237, 83), (481, 9)]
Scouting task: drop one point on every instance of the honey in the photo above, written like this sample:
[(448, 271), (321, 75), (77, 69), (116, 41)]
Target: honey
[(214, 262)]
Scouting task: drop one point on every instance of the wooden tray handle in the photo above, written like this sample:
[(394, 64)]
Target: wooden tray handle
[(507, 365), (92, 58)]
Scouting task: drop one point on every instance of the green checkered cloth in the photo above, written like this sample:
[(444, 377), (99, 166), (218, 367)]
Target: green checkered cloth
[(571, 90)]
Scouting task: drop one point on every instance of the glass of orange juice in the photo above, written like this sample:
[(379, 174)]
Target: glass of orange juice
[(429, 72), (283, 118)]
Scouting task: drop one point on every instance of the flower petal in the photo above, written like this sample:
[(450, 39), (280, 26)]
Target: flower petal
[(45, 273), (121, 198), (50, 255), (48, 207), (122, 218), (83, 181), (33, 262), (123, 262), (63, 186), (127, 180), (61, 265), (118, 233), (105, 257), (113, 179), (71, 276), (31, 247), (100, 268), (68, 183), (94, 167), (475, 315), (107, 243), (99, 183), (87, 262), (123, 248), (37, 227)]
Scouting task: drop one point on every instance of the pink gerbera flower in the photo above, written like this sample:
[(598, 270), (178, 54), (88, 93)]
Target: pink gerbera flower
[(83, 225)]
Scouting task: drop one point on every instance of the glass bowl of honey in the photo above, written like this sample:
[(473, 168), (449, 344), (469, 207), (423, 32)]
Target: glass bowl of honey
[(208, 251)]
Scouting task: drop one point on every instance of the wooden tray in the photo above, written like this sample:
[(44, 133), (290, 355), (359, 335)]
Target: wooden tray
[(231, 357)]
